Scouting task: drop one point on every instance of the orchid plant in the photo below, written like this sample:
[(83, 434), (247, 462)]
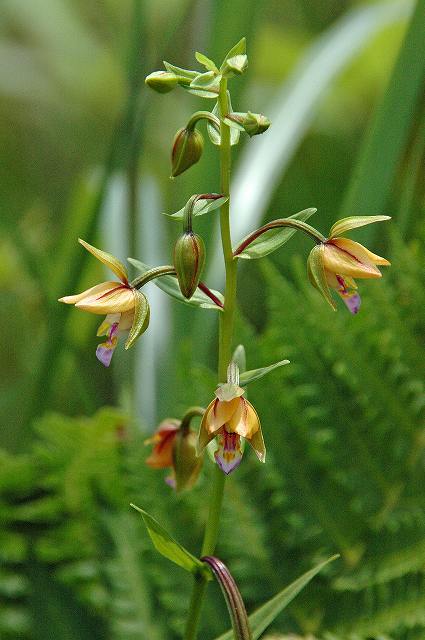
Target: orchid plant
[(230, 419)]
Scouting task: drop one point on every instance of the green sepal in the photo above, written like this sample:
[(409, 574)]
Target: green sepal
[(206, 62), (201, 207), (214, 134), (255, 374), (316, 273), (264, 616), (170, 286), (205, 85), (170, 548), (354, 222), (237, 65), (141, 318), (273, 239), (238, 49), (183, 74)]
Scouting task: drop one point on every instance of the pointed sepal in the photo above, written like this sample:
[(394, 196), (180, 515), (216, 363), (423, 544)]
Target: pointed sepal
[(115, 265), (354, 222), (317, 275), (141, 318)]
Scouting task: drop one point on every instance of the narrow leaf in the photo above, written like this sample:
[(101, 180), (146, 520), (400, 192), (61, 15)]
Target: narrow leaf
[(353, 222), (200, 208), (167, 546), (141, 318), (273, 239), (238, 49), (264, 616), (256, 374), (170, 286), (206, 62), (214, 133)]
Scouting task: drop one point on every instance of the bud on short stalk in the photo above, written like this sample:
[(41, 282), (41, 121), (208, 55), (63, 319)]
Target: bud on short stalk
[(186, 463), (189, 260), (187, 149), (161, 81)]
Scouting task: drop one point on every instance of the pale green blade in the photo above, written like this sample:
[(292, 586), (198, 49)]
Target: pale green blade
[(256, 374), (354, 222), (167, 546), (264, 616)]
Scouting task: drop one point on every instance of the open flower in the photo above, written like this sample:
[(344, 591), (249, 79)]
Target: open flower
[(126, 308), (228, 418), (175, 448), (334, 263)]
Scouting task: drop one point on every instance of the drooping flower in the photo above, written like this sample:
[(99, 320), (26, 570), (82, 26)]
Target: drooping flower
[(126, 308), (334, 263), (174, 447), (230, 417)]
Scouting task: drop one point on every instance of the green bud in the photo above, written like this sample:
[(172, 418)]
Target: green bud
[(255, 123), (186, 463), (188, 145), (161, 81), (235, 65), (189, 260)]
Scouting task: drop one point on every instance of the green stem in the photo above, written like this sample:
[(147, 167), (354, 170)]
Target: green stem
[(227, 319)]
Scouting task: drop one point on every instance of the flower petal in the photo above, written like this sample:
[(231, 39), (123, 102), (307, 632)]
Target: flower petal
[(220, 413), (93, 292), (245, 420), (257, 443), (105, 351), (206, 430), (349, 258), (317, 273), (117, 299), (108, 321), (354, 222), (162, 454), (229, 454), (113, 263), (141, 316)]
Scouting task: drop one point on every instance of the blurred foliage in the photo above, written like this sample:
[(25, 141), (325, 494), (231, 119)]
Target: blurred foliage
[(344, 423)]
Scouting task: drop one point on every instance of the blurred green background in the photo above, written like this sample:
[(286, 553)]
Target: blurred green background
[(85, 153)]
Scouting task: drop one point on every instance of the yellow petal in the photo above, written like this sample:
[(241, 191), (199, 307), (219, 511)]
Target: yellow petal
[(349, 258), (113, 263), (206, 430), (257, 443), (116, 299), (245, 420), (220, 413), (97, 290)]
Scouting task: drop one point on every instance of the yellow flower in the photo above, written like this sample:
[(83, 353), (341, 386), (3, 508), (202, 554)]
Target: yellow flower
[(126, 308), (228, 418), (335, 263)]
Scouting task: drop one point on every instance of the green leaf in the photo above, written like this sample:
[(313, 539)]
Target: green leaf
[(200, 208), (316, 273), (167, 546), (170, 286), (182, 73), (235, 65), (205, 85), (264, 616), (206, 62), (141, 318), (214, 134), (238, 49), (353, 222), (255, 374), (394, 120), (273, 239)]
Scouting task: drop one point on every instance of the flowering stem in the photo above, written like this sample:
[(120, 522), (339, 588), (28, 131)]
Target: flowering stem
[(275, 224), (224, 356)]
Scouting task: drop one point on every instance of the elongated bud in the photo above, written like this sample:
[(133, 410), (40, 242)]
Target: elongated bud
[(188, 145), (161, 81), (186, 464), (255, 123), (189, 260)]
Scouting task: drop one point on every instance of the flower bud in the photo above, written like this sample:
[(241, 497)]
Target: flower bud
[(186, 463), (255, 123), (188, 145), (161, 81), (189, 259)]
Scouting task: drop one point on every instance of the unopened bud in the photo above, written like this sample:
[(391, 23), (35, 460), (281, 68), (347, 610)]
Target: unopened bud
[(189, 260), (186, 463), (161, 81), (255, 123), (188, 145)]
